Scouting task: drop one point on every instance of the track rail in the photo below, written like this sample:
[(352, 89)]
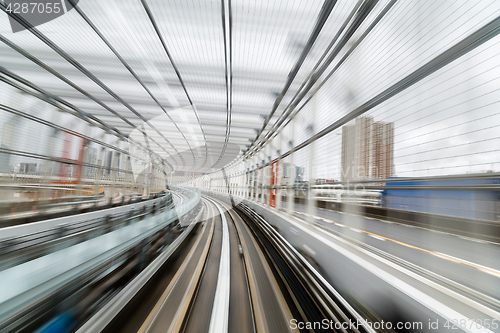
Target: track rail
[(270, 311), (156, 320), (220, 310), (313, 297), (238, 275), (208, 292)]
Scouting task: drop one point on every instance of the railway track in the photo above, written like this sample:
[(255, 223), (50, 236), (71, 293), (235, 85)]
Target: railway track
[(231, 275)]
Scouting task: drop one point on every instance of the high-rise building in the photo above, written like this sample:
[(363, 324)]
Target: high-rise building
[(290, 170), (367, 149)]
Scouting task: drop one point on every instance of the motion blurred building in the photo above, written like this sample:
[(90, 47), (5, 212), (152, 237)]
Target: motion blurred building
[(367, 149), (293, 171)]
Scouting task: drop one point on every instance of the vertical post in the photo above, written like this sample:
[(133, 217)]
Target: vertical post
[(252, 180), (84, 160), (279, 175), (239, 184), (98, 173), (129, 177), (256, 177), (267, 174), (261, 181), (242, 179), (48, 166), (163, 175), (148, 171), (311, 198), (291, 173), (142, 174), (114, 167), (247, 179)]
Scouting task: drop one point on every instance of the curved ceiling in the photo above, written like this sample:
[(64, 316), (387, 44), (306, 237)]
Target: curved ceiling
[(195, 81)]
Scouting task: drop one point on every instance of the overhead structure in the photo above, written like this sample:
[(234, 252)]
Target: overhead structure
[(201, 83), (193, 82)]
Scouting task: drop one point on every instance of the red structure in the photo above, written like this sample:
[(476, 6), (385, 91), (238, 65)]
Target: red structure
[(66, 155), (274, 181)]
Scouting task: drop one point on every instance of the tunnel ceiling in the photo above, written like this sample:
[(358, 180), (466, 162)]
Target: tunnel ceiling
[(196, 81)]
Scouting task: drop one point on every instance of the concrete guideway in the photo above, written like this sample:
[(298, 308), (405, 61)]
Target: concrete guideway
[(436, 299)]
